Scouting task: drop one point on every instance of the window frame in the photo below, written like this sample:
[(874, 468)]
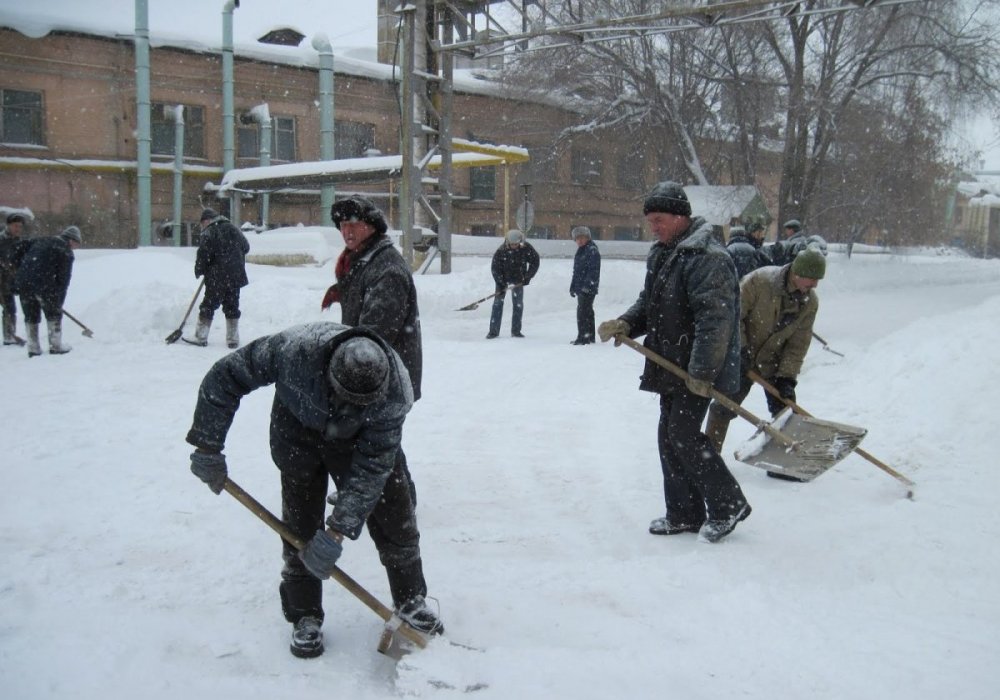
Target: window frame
[(161, 129), (35, 114)]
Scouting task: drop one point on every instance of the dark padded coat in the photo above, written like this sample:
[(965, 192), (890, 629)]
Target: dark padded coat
[(378, 293), (586, 270), (46, 269), (514, 265), (296, 362), (222, 255), (746, 254), (689, 312)]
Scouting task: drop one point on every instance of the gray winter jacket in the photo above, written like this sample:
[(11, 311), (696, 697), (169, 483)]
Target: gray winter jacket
[(221, 256), (296, 362), (689, 312)]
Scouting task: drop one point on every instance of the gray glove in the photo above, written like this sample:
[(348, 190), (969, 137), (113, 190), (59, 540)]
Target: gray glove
[(701, 387), (210, 467), (609, 329), (320, 554)]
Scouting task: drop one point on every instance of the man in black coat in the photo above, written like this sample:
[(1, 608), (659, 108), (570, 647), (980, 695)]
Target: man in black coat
[(514, 264), (744, 247), (340, 401), (221, 259), (13, 245), (689, 312), (41, 282), (585, 283)]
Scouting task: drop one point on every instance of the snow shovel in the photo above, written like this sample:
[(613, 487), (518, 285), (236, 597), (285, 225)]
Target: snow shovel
[(393, 623), (770, 388), (176, 335), (801, 450), (825, 346), (475, 305), (86, 331)]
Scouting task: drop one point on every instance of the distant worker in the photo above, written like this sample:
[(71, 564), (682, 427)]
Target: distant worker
[(795, 239), (515, 263), (13, 245), (778, 306), (585, 282), (41, 282), (744, 247), (221, 259)]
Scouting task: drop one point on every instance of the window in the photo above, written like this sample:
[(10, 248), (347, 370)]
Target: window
[(352, 139), (630, 175), (483, 230), (628, 233), (483, 183), (162, 125), (586, 167), (282, 139), (21, 121)]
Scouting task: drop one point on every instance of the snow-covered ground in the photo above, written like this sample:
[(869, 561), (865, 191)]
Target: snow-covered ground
[(122, 576)]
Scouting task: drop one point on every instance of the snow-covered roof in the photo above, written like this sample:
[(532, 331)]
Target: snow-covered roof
[(718, 204)]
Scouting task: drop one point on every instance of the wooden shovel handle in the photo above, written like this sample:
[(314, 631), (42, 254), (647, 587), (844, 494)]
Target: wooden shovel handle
[(338, 575)]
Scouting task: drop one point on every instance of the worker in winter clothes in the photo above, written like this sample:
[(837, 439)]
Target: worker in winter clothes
[(221, 259), (341, 397), (744, 247), (41, 282), (585, 282), (688, 311), (795, 240), (514, 264), (778, 306), (13, 245)]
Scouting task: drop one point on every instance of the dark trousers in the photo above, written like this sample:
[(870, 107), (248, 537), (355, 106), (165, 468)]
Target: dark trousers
[(217, 295), (496, 316), (307, 462), (585, 316), (33, 306), (697, 484)]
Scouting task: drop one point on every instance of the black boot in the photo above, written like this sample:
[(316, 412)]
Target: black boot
[(307, 638), (420, 617)]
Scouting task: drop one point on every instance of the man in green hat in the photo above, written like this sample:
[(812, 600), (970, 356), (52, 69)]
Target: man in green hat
[(777, 308)]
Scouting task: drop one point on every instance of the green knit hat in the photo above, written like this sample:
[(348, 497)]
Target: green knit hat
[(810, 263)]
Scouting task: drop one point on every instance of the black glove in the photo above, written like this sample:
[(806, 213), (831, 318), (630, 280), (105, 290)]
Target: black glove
[(572, 294), (320, 554), (210, 467), (785, 387)]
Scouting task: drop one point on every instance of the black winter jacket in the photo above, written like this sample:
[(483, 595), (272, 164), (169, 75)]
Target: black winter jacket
[(746, 254), (378, 293), (689, 311), (514, 265), (222, 255), (586, 270), (45, 269), (296, 362)]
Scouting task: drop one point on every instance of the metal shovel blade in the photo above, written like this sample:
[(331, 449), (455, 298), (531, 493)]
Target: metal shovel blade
[(819, 444)]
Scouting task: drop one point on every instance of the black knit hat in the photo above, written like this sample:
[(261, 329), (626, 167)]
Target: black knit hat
[(667, 197), (15, 218), (208, 214), (359, 371), (358, 208)]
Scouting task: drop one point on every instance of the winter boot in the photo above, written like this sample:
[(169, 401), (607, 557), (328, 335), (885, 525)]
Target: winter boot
[(716, 429), (56, 346), (200, 332), (9, 324), (307, 638), (420, 617), (232, 333), (34, 346), (666, 526), (715, 529)]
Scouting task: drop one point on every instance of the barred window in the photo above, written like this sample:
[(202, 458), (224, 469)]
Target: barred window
[(21, 117), (282, 139), (162, 130), (483, 183)]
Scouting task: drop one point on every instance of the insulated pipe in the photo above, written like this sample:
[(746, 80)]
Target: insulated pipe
[(321, 43), (177, 114), (143, 139), (228, 124), (262, 115)]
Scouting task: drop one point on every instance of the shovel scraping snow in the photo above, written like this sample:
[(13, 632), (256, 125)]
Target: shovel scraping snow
[(817, 446)]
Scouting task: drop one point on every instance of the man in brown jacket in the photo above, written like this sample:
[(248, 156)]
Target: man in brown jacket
[(777, 308)]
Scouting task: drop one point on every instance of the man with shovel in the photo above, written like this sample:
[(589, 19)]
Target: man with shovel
[(778, 306), (42, 281), (341, 397), (688, 311), (221, 258), (13, 245)]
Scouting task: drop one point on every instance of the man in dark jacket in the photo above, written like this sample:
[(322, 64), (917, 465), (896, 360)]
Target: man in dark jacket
[(514, 264), (744, 248), (689, 312), (783, 252), (585, 282), (341, 397), (221, 259), (41, 282), (13, 246)]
